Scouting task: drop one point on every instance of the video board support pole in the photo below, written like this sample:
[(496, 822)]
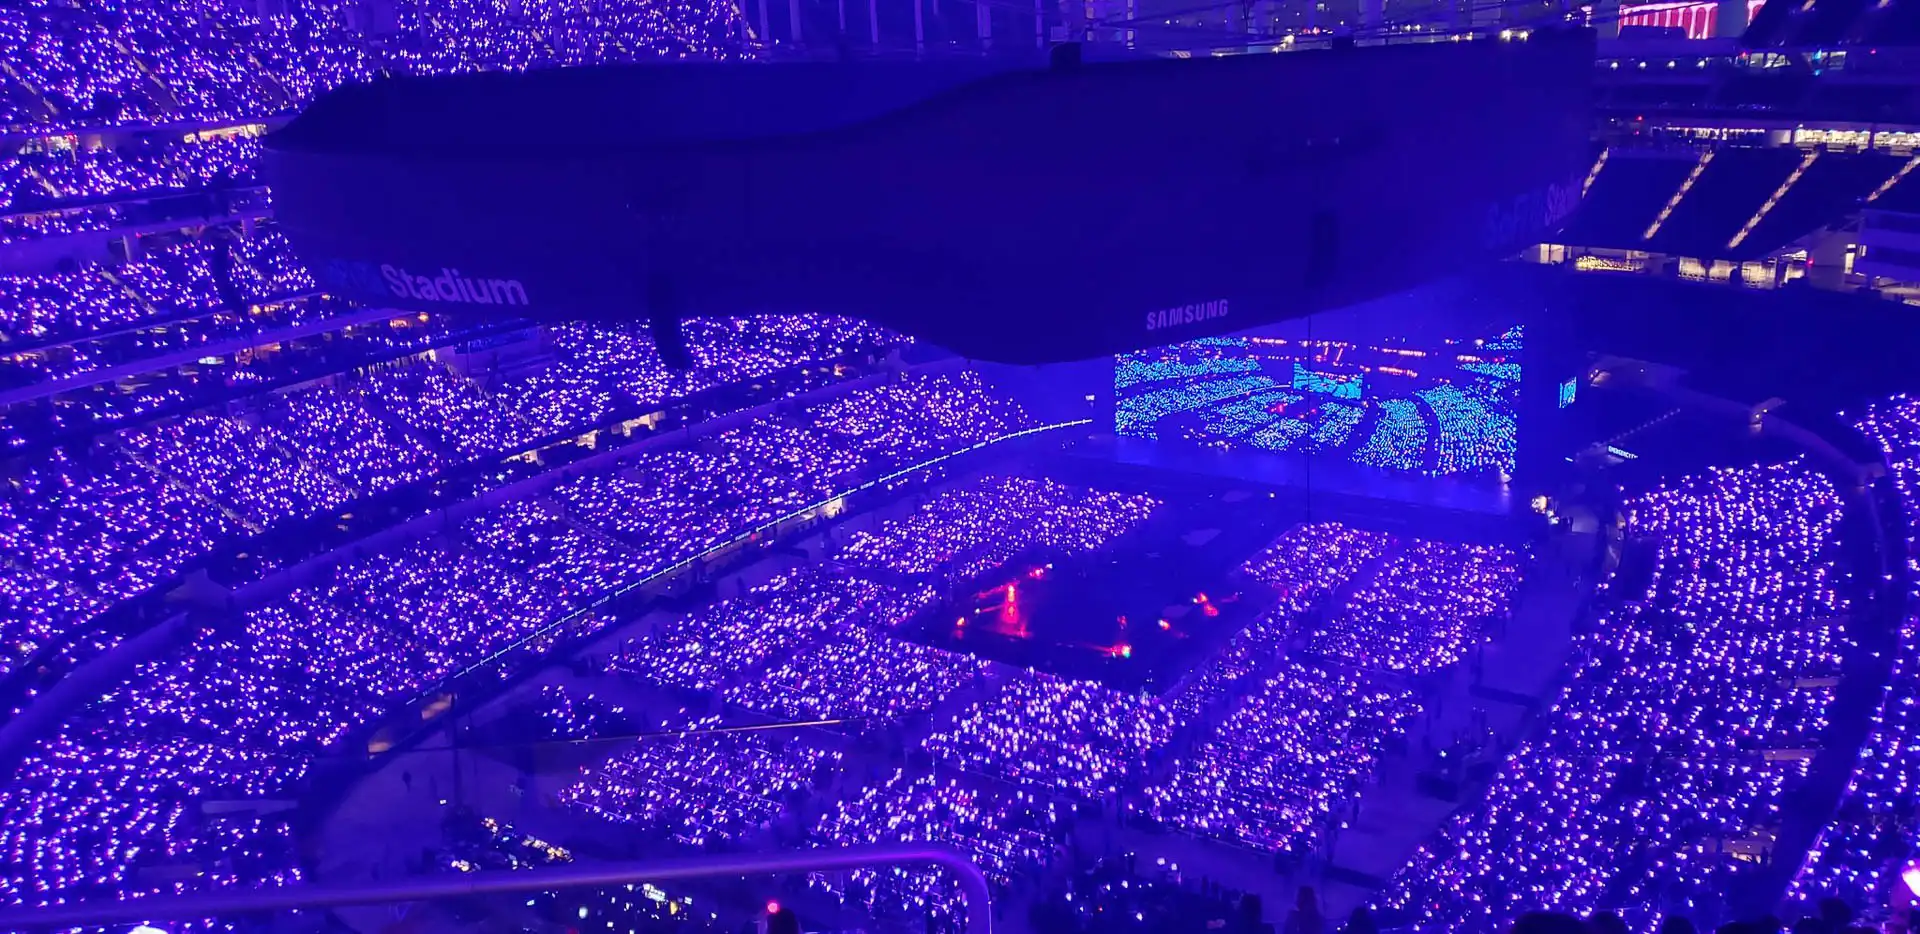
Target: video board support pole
[(161, 908)]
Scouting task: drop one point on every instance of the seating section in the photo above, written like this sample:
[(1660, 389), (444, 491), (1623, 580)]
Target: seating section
[(1685, 729), (100, 64), (1730, 190), (240, 715), (1306, 567), (1859, 853), (1299, 745), (1741, 203), (1007, 835), (1424, 610), (1626, 196), (701, 784), (1830, 189), (967, 531), (1055, 733), (172, 411)]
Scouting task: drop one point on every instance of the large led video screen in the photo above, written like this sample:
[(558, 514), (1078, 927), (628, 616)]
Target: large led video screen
[(1443, 408)]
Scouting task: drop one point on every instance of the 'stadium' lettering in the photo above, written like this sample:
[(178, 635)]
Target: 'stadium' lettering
[(1186, 314), (451, 286)]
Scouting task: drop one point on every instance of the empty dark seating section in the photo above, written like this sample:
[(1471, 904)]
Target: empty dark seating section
[(1904, 196), (1625, 197), (1831, 188), (1731, 189)]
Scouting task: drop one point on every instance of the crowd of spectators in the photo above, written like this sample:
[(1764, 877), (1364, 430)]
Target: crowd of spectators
[(1009, 834), (210, 333), (855, 673), (1139, 413), (328, 425), (453, 412), (1859, 854), (1427, 607), (740, 479), (1306, 566), (135, 63), (912, 420), (165, 284), (1683, 730), (1472, 435), (1295, 753), (601, 371), (706, 650), (86, 530), (967, 530), (1675, 736), (1050, 732), (80, 532), (93, 806), (242, 711), (86, 184), (701, 782), (1398, 438), (193, 84), (247, 466), (1292, 753)]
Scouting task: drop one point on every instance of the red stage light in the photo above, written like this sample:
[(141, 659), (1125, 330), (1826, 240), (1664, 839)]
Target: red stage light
[(1165, 625), (773, 907), (1126, 651)]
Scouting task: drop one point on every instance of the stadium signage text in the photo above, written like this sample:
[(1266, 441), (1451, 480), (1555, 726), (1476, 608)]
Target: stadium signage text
[(450, 286), (1186, 314), (1527, 217)]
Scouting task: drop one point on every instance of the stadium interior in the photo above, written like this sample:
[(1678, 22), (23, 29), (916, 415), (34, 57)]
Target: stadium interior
[(1574, 592)]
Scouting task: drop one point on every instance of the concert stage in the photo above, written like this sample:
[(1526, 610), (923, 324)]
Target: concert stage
[(1134, 615)]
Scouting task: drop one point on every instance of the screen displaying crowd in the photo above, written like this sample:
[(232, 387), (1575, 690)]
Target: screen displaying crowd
[(1447, 410)]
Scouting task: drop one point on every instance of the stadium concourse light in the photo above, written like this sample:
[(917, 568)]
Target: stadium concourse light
[(1018, 212), (156, 910)]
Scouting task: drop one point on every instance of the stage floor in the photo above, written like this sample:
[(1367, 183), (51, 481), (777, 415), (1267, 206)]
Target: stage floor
[(1099, 616)]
